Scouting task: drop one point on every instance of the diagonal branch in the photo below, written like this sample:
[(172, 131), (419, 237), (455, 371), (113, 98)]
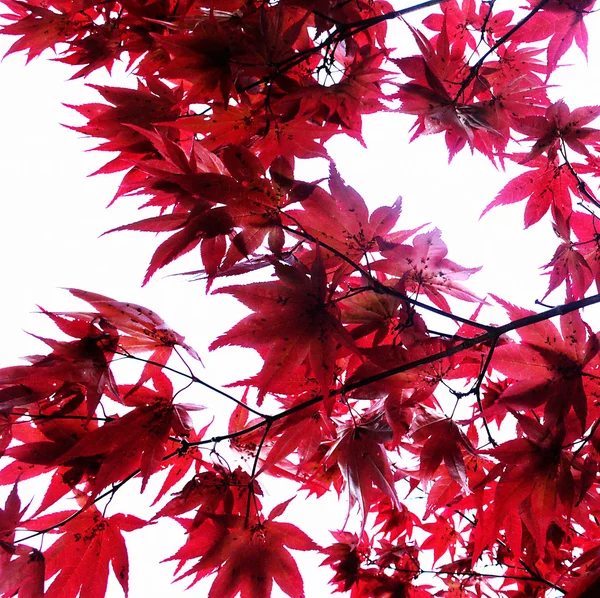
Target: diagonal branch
[(378, 286), (475, 68), (491, 336), (341, 32), (76, 514)]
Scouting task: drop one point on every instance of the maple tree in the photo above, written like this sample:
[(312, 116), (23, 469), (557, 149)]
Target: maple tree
[(360, 392)]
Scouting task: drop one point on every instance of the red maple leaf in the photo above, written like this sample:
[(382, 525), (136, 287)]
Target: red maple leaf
[(562, 21), (138, 439), (457, 22), (85, 363), (224, 126), (10, 517), (380, 360), (41, 28), (558, 125), (177, 176), (192, 457), (209, 206), (569, 266), (257, 210), (443, 536), (515, 89), (294, 320), (301, 435), (42, 446), (548, 368), (21, 567), (341, 220), (584, 227), (358, 92), (345, 557), (23, 576), (79, 560), (373, 318), (549, 185), (140, 328), (150, 103), (586, 583), (269, 137), (100, 47), (82, 364), (436, 97), (207, 57), (441, 440), (536, 485), (520, 67), (425, 268), (361, 457), (216, 491), (247, 555)]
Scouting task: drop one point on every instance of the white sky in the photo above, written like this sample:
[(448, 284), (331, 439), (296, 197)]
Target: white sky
[(52, 215)]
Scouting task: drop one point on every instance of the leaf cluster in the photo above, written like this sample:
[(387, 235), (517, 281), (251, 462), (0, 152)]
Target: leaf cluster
[(372, 385)]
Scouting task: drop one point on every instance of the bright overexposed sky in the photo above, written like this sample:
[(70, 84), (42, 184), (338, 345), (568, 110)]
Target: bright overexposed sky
[(52, 216)]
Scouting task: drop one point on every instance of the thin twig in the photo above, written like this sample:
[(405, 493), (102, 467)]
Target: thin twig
[(98, 498), (475, 68), (581, 186), (526, 567), (340, 33), (191, 376), (254, 467), (378, 286)]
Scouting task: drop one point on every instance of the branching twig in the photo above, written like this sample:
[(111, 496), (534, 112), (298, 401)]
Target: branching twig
[(581, 186), (491, 336), (494, 334), (254, 467), (476, 389), (379, 287), (475, 68), (194, 378), (462, 573), (536, 576), (340, 33), (587, 437)]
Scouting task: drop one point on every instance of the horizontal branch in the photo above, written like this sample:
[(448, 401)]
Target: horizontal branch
[(471, 574)]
